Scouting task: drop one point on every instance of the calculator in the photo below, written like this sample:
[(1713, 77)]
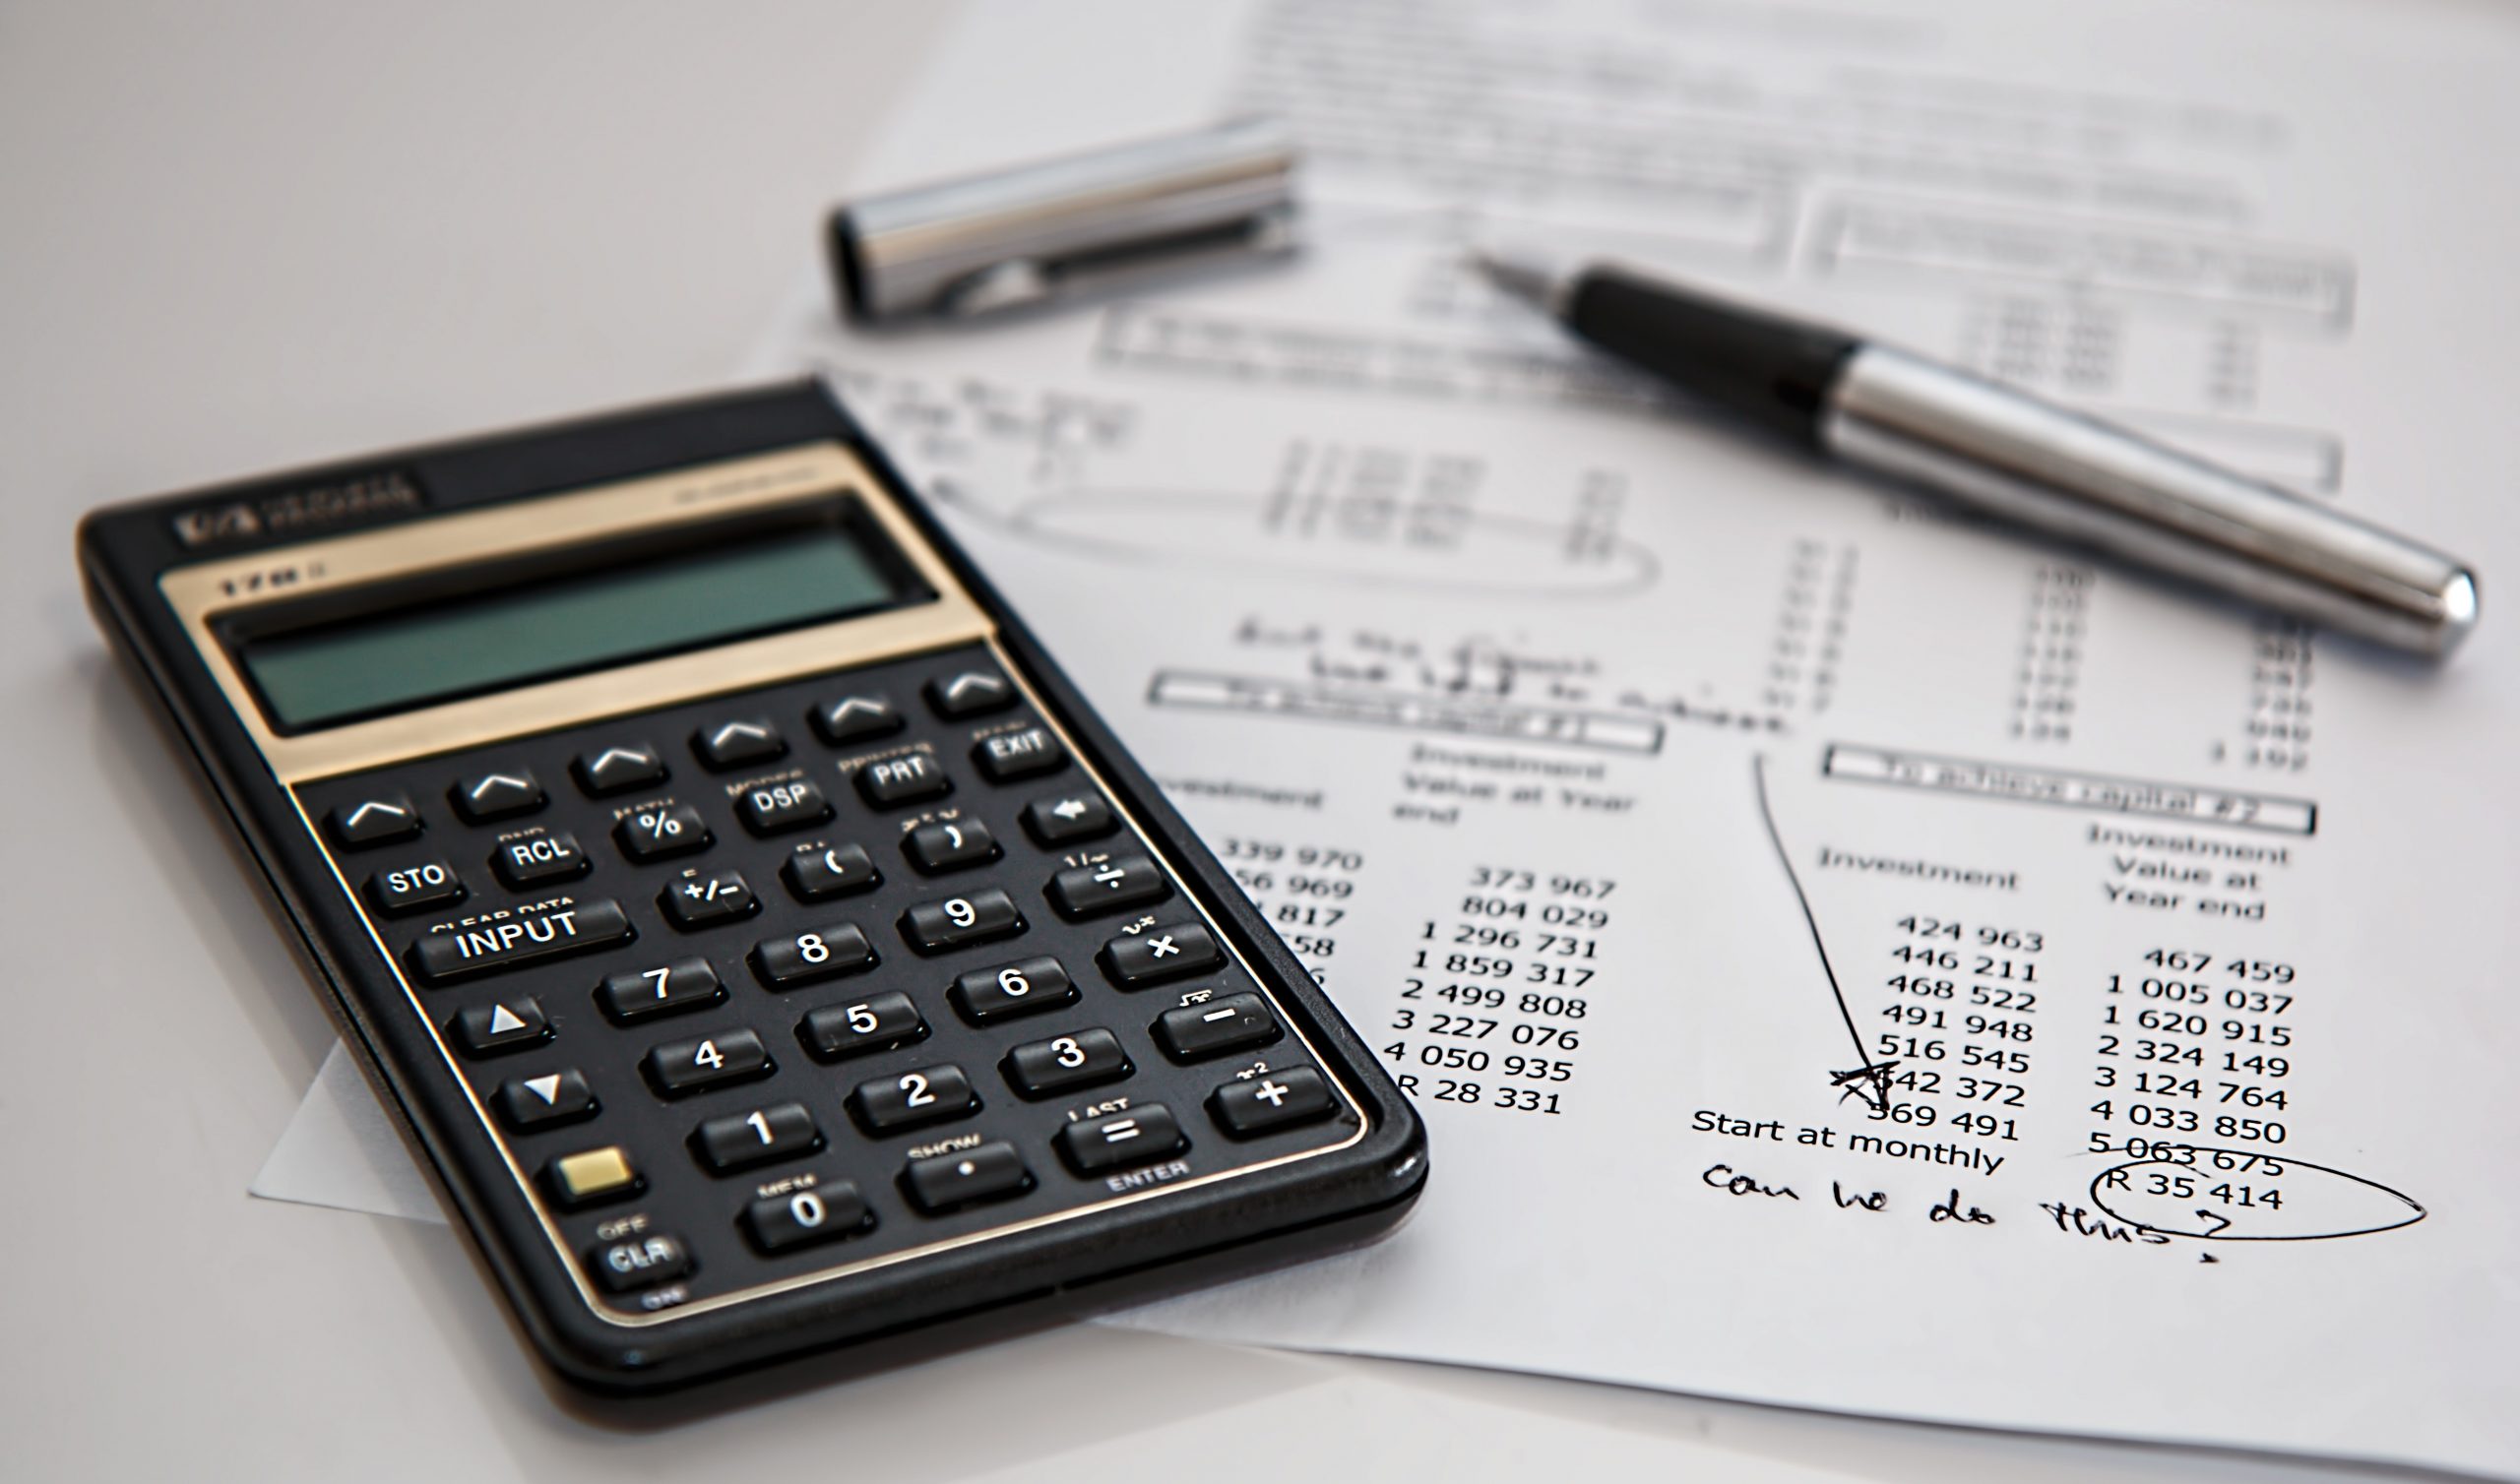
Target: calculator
[(760, 938)]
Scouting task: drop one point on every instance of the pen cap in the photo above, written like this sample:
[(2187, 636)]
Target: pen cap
[(1047, 230)]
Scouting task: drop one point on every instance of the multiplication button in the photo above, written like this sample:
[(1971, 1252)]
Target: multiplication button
[(1166, 951), (1248, 1107)]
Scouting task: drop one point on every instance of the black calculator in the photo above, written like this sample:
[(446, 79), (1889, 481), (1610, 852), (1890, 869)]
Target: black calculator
[(763, 942)]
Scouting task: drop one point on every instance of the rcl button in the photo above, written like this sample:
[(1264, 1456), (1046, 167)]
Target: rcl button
[(540, 858), (639, 1263)]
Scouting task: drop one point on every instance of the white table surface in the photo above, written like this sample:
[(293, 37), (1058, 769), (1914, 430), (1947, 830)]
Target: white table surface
[(237, 237)]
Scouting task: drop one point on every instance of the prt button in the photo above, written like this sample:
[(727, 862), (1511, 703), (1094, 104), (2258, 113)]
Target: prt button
[(905, 780)]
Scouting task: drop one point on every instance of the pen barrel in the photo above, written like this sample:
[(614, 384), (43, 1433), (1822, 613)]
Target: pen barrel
[(2040, 466)]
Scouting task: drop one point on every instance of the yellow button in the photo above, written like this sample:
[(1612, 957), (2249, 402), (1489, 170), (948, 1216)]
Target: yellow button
[(593, 1173)]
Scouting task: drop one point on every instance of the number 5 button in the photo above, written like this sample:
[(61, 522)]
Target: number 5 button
[(884, 1104), (811, 956)]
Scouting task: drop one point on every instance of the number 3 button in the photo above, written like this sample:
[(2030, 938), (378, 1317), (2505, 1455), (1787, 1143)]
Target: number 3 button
[(811, 956)]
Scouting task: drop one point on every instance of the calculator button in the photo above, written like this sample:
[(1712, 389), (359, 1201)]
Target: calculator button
[(1249, 1106), (932, 927), (949, 846), (879, 1022), (854, 718), (908, 1099), (539, 859), (1025, 754), (782, 1131), (824, 1213), (905, 780), (1068, 817), (489, 796), (775, 808), (943, 1181), (1119, 1139), (709, 1061), (1216, 1026), (832, 870), (733, 744), (377, 821), (973, 693), (486, 948), (661, 833), (667, 989), (618, 769), (704, 901), (555, 1098), (637, 1262), (1026, 987), (415, 887), (593, 1175), (1166, 951), (509, 1026), (1111, 886), (1065, 1063), (812, 955)]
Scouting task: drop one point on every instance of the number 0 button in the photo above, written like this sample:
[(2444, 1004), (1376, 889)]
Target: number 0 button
[(929, 1095)]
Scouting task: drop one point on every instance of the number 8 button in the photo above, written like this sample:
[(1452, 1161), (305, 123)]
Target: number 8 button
[(811, 956)]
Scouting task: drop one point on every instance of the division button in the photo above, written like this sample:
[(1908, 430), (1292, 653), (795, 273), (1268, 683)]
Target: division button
[(1063, 819), (507, 1026), (1166, 951), (1065, 1063), (734, 744), (641, 1261), (1249, 1106), (949, 845), (930, 1094), (1213, 1027), (832, 870), (1111, 886), (380, 819), (528, 937), (661, 833), (593, 1175), (703, 1061), (941, 1183), (823, 1212), (970, 693), (1026, 987), (775, 808), (554, 1097), (1025, 754), (539, 859), (666, 989), (489, 796), (812, 955), (739, 1141), (854, 719), (618, 769), (879, 1022), (415, 887), (932, 927), (905, 780), (1118, 1140), (705, 901)]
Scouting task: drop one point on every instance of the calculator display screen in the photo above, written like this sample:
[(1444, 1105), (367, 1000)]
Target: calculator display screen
[(488, 640)]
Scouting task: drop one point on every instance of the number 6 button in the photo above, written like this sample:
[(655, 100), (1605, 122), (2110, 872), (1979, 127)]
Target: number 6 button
[(811, 956), (886, 1103), (1026, 987)]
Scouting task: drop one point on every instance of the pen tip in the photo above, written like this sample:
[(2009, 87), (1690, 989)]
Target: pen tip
[(1518, 277)]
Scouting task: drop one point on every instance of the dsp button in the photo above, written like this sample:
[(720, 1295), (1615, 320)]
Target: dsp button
[(1213, 1027), (639, 1263), (905, 780), (992, 1171), (555, 1098), (661, 833), (1026, 987), (1118, 1140), (823, 1212), (377, 820), (1066, 818), (495, 1029), (1065, 1063), (930, 1094), (832, 870), (972, 693), (775, 808), (1025, 754), (667, 989), (1167, 951), (934, 927), (854, 719), (618, 769), (1248, 1107), (539, 859), (734, 744), (763, 1135), (1111, 886), (486, 948), (415, 887), (704, 901), (489, 796)]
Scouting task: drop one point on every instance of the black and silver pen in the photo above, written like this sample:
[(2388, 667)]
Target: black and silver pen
[(2013, 455)]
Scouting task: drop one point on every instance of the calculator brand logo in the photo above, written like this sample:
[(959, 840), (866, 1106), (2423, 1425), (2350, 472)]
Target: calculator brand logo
[(318, 507)]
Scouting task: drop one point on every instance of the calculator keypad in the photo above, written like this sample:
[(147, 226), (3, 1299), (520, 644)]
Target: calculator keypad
[(873, 964)]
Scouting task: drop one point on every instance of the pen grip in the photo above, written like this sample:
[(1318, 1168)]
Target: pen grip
[(1771, 369)]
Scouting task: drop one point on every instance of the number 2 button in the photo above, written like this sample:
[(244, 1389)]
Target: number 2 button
[(886, 1103)]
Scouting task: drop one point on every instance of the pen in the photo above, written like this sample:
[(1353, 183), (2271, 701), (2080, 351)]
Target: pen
[(2013, 455)]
